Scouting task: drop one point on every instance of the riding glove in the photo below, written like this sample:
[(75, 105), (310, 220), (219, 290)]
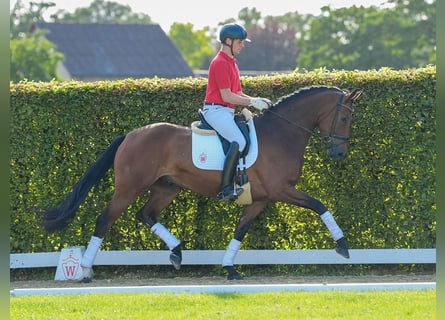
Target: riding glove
[(260, 103)]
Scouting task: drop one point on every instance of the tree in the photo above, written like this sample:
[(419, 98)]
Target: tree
[(21, 17), (101, 11), (250, 17), (272, 48), (422, 29), (370, 38), (34, 58), (273, 42), (195, 46)]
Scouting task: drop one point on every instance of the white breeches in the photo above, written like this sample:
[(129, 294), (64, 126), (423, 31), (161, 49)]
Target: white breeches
[(221, 119)]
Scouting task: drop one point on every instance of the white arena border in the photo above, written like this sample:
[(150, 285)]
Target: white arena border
[(255, 257), (235, 288)]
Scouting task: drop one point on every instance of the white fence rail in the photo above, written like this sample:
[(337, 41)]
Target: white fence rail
[(214, 257)]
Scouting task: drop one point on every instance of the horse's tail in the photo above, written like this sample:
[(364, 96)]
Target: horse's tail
[(56, 218)]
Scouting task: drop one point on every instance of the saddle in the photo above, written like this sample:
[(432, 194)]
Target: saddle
[(241, 177), (240, 120)]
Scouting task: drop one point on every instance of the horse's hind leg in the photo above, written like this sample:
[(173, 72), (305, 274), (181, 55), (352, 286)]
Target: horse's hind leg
[(162, 194), (249, 215), (104, 221)]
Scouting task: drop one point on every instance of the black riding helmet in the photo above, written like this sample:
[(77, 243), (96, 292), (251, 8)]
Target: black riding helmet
[(232, 31)]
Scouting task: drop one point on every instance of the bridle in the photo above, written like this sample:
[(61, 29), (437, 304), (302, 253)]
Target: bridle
[(331, 134)]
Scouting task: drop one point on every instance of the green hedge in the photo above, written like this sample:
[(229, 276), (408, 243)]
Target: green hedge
[(382, 193)]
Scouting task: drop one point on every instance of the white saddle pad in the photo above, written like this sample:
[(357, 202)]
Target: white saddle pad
[(207, 151)]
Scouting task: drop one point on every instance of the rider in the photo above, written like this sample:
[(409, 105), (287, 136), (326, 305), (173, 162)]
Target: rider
[(223, 93)]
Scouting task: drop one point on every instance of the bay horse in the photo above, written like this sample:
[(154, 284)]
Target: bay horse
[(157, 158)]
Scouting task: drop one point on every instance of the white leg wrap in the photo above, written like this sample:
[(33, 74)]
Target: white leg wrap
[(170, 240), (91, 252), (332, 226), (231, 252)]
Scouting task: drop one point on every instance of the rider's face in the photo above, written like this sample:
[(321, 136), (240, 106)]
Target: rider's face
[(238, 44)]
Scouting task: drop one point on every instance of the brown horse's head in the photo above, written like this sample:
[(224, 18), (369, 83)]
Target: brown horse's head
[(336, 124)]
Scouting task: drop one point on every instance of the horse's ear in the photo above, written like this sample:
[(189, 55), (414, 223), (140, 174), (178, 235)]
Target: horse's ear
[(354, 95)]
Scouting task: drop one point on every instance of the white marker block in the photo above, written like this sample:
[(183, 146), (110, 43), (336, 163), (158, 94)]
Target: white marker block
[(69, 267)]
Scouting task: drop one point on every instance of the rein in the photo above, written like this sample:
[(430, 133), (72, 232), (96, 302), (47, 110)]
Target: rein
[(327, 138)]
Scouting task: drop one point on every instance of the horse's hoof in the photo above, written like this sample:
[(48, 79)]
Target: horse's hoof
[(175, 260), (87, 275), (233, 274), (342, 248), (343, 252), (236, 276), (176, 257), (86, 280)]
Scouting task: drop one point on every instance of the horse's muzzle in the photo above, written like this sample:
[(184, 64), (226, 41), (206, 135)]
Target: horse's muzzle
[(337, 151)]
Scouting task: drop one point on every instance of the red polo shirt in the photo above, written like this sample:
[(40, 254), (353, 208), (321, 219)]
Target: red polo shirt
[(223, 74)]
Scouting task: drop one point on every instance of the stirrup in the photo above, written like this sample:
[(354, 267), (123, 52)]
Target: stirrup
[(229, 194)]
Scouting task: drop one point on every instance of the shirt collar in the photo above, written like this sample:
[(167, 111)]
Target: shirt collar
[(226, 56)]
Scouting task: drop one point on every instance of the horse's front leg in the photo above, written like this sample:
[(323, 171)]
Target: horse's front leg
[(301, 199), (249, 214)]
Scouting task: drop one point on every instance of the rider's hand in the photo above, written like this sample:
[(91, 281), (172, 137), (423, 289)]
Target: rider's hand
[(260, 103), (269, 103)]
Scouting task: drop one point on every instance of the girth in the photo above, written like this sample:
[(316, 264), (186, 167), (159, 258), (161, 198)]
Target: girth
[(241, 122)]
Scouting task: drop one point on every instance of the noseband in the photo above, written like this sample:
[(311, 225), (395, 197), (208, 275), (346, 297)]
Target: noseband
[(331, 134)]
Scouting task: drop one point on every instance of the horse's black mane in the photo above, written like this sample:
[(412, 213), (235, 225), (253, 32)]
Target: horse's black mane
[(300, 93)]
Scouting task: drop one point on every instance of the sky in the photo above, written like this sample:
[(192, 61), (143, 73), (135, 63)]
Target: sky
[(202, 13)]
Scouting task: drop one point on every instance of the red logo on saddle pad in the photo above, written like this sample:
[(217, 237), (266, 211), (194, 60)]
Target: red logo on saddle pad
[(203, 157)]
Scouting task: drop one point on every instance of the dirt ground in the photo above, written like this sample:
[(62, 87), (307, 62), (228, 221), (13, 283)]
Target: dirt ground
[(131, 279)]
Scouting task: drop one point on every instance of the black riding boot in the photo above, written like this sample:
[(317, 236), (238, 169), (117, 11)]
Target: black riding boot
[(227, 189)]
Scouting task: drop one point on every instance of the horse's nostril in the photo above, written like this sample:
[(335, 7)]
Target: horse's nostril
[(336, 153)]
